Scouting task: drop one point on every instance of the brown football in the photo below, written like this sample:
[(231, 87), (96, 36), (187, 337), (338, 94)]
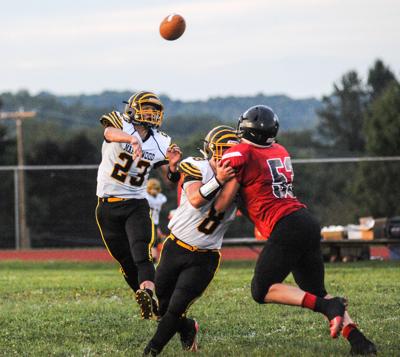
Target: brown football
[(172, 27)]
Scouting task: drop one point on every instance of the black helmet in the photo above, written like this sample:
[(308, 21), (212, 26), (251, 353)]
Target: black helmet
[(259, 125)]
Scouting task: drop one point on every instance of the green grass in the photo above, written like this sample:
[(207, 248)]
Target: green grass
[(85, 309)]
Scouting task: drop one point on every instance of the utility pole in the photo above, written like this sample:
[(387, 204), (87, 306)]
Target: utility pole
[(22, 236)]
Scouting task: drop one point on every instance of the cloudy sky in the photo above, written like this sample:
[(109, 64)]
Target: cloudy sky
[(230, 47)]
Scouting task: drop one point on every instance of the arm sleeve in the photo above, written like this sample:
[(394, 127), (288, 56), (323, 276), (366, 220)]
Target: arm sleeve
[(237, 162), (160, 163), (111, 119)]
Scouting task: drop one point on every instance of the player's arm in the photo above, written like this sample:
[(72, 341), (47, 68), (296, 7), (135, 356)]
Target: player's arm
[(171, 175), (237, 161), (200, 194), (227, 195), (116, 135), (113, 132)]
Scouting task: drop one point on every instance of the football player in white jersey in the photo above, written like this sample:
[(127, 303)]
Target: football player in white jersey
[(156, 200), (133, 145), (190, 255)]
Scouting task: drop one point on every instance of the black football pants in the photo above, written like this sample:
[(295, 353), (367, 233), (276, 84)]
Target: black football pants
[(181, 277), (293, 247), (128, 233)]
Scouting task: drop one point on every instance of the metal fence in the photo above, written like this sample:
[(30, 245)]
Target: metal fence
[(60, 201)]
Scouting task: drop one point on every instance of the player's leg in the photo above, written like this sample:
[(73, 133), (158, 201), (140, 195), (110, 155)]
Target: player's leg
[(289, 241), (157, 241), (275, 262), (272, 267), (190, 285), (112, 231), (207, 266), (303, 232), (167, 273), (360, 344), (140, 232), (310, 277)]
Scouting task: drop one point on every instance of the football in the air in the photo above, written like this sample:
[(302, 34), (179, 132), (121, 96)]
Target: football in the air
[(172, 27)]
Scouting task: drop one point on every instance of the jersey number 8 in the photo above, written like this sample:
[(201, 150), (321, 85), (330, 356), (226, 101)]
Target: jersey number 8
[(210, 224)]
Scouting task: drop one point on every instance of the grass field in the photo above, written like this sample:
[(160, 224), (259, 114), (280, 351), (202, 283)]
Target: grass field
[(85, 309)]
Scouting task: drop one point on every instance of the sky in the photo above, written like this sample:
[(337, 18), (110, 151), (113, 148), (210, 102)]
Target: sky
[(230, 47)]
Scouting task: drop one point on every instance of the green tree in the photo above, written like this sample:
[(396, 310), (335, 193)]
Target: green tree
[(382, 124), (341, 118), (376, 185), (3, 143), (379, 77), (362, 120)]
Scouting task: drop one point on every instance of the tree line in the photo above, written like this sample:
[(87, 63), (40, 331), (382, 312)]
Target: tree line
[(358, 118)]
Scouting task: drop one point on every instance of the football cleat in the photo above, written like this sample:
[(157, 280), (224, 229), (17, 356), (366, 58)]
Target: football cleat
[(364, 347), (360, 345), (335, 314), (189, 340), (148, 305), (148, 351)]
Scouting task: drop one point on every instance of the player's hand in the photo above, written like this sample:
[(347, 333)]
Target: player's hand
[(224, 172), (137, 147), (174, 155)]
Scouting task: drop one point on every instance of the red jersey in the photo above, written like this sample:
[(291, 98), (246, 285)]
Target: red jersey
[(265, 176)]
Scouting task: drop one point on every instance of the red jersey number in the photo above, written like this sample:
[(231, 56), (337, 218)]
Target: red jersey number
[(282, 177)]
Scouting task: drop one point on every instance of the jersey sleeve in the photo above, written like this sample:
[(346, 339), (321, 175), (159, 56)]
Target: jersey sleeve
[(237, 159), (112, 119), (190, 171), (163, 198), (162, 141), (161, 163)]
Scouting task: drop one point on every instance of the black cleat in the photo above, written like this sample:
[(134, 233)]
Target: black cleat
[(363, 347), (189, 340), (148, 351), (148, 305), (335, 313)]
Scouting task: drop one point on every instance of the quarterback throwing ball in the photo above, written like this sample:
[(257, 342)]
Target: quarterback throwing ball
[(133, 146)]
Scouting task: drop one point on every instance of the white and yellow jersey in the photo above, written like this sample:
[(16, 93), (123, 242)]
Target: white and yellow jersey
[(156, 203), (200, 227), (121, 176)]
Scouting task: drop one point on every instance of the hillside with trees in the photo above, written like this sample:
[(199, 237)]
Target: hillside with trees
[(358, 118)]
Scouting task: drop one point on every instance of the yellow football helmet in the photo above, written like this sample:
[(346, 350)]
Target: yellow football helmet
[(153, 187), (145, 108), (218, 140)]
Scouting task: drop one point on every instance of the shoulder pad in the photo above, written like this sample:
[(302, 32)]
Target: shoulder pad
[(113, 119), (162, 138), (199, 158), (161, 133), (189, 167)]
